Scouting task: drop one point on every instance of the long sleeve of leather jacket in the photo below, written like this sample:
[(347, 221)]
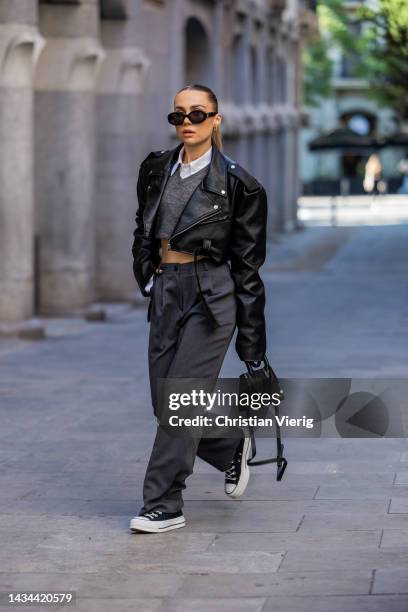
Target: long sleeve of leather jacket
[(248, 252), (144, 259)]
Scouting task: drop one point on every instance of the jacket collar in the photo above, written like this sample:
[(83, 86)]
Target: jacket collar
[(216, 178)]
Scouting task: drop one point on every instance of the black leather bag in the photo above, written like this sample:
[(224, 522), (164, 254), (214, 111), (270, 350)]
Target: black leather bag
[(264, 380)]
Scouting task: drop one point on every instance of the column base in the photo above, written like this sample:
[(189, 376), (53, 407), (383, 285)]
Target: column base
[(106, 311), (27, 329)]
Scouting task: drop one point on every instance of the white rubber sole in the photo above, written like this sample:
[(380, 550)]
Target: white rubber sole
[(146, 526), (244, 479)]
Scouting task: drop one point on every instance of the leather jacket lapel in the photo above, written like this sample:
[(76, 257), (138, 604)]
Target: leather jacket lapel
[(156, 181), (216, 179)]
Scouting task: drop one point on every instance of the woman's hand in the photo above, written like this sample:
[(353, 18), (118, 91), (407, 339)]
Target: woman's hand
[(255, 364)]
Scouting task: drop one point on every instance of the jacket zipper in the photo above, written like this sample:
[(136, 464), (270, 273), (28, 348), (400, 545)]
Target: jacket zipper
[(213, 214)]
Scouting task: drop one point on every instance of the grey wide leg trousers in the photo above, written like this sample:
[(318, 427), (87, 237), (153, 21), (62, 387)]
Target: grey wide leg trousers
[(182, 343)]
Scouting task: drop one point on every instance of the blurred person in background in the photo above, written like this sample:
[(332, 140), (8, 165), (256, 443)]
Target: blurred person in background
[(373, 172)]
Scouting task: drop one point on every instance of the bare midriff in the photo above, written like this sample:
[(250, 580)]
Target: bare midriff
[(175, 256)]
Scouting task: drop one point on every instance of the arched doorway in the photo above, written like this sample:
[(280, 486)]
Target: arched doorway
[(198, 54)]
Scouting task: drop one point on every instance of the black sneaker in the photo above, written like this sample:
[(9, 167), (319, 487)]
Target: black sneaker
[(237, 475), (157, 521)]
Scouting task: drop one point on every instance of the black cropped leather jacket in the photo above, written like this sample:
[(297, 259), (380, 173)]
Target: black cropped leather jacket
[(225, 219)]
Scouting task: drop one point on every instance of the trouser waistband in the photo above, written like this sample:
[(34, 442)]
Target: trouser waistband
[(188, 267)]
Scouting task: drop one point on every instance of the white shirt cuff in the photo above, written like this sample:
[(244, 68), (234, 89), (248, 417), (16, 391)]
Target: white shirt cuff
[(149, 284)]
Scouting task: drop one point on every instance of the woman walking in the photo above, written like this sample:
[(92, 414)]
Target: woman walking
[(198, 210)]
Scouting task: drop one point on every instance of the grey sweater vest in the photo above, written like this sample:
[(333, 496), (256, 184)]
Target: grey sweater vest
[(175, 196)]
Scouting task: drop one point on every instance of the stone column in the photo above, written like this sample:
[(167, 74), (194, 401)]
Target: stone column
[(292, 129), (218, 41), (65, 143), (291, 177), (177, 42), (270, 125), (244, 143), (296, 184), (20, 45), (119, 87), (297, 103), (284, 144), (281, 178), (271, 172), (259, 40)]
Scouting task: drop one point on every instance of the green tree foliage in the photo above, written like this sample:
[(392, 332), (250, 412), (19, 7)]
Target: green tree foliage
[(317, 57), (384, 47), (317, 73), (380, 53)]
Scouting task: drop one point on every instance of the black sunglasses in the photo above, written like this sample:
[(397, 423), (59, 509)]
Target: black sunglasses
[(195, 116)]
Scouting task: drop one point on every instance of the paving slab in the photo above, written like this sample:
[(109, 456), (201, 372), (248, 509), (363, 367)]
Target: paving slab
[(323, 522), (350, 582), (399, 503), (366, 491), (221, 604), (299, 541), (101, 585), (391, 580), (337, 603), (345, 558), (401, 478), (227, 516), (394, 538), (213, 562)]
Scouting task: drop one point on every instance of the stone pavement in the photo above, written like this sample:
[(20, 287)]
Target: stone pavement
[(77, 427)]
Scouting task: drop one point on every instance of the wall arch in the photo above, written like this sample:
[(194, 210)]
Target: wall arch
[(237, 72), (198, 62), (255, 81), (281, 80), (114, 9), (269, 75)]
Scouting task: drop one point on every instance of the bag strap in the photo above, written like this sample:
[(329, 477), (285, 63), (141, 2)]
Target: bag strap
[(279, 459)]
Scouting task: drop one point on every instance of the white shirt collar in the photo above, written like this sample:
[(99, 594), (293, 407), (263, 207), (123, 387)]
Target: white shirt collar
[(193, 166)]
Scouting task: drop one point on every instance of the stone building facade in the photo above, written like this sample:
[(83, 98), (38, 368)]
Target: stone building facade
[(85, 87)]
